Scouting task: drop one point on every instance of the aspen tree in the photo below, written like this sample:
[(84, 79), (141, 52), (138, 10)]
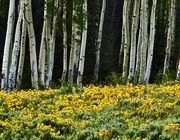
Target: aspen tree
[(151, 41), (83, 47), (7, 46), (64, 73), (52, 45), (134, 29), (15, 52), (126, 39), (170, 36), (138, 54), (22, 52), (75, 44), (43, 46), (48, 32), (144, 44), (32, 44), (178, 71), (96, 69)]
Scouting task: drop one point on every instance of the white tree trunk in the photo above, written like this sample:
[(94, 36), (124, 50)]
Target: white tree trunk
[(75, 46), (52, 46), (32, 44), (9, 35), (48, 44), (42, 53), (83, 47), (15, 52), (170, 36), (22, 53), (98, 50), (64, 73), (71, 58), (178, 71), (151, 41), (126, 9), (134, 29), (144, 22), (138, 54)]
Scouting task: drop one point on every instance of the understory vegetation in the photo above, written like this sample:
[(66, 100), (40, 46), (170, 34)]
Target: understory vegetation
[(124, 112)]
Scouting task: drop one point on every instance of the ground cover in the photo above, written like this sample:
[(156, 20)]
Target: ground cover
[(100, 112)]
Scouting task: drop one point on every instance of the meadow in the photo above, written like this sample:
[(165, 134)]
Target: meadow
[(122, 112)]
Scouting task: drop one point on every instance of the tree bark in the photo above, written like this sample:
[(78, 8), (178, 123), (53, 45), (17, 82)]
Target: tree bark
[(52, 45), (96, 69), (151, 41), (15, 52), (178, 71), (170, 36), (135, 20), (32, 44), (43, 46), (64, 73), (83, 47), (22, 53), (144, 44), (7, 46), (126, 35)]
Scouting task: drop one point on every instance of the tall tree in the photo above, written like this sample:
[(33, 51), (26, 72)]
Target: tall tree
[(32, 44), (16, 48), (64, 73), (170, 36), (83, 46), (43, 49), (75, 40), (151, 41), (52, 44), (126, 36), (134, 29), (7, 46), (22, 53), (99, 41), (144, 44)]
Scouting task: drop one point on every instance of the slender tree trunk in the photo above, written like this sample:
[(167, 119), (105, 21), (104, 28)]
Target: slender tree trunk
[(138, 54), (75, 44), (170, 36), (135, 20), (96, 69), (32, 44), (72, 51), (48, 45), (77, 49), (178, 71), (151, 41), (144, 22), (15, 52), (83, 47), (42, 53), (22, 53), (7, 46), (64, 44), (126, 37), (52, 45)]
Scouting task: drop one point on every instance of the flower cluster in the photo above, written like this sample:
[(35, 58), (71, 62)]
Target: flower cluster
[(59, 114)]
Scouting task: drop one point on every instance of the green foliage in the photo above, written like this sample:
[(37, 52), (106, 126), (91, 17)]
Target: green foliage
[(66, 87), (115, 79), (160, 78)]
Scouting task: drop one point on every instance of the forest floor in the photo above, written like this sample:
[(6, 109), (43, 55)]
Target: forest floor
[(121, 112)]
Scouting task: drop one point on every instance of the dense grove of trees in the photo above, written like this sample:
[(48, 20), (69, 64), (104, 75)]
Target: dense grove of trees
[(80, 41)]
